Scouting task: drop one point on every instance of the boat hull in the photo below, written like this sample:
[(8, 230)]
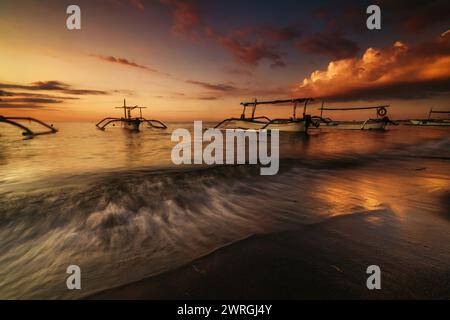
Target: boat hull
[(288, 126), (429, 123), (242, 124), (294, 126), (132, 125)]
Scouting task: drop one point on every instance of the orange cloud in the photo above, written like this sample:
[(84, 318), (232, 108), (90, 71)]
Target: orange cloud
[(399, 71)]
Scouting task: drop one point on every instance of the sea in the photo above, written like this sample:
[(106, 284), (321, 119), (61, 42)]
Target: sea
[(113, 203)]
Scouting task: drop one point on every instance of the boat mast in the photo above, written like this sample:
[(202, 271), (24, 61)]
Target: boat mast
[(254, 108), (295, 110), (304, 108)]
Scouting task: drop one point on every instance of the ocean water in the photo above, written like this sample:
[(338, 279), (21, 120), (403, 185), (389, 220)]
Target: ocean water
[(113, 203)]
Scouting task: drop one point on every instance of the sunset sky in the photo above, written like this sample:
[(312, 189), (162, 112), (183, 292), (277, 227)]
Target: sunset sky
[(193, 60)]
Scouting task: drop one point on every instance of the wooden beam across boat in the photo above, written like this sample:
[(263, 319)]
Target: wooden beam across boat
[(354, 108), (439, 111), (294, 100)]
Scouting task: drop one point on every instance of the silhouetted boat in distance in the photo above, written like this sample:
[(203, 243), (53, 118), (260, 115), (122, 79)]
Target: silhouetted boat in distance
[(378, 123), (432, 122), (129, 122), (292, 124)]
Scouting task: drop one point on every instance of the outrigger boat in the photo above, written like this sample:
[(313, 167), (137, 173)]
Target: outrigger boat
[(129, 122), (292, 124), (27, 131), (378, 123), (432, 122)]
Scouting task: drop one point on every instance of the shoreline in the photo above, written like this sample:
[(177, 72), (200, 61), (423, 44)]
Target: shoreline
[(312, 262)]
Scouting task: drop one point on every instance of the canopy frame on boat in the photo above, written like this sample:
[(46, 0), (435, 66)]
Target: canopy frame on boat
[(294, 101), (378, 108), (437, 111), (265, 121)]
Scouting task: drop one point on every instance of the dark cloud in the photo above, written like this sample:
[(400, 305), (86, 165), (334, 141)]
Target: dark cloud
[(207, 98), (138, 4), (406, 90), (5, 93), (35, 95), (126, 62), (415, 16), (247, 46), (53, 85), (49, 85), (31, 100), (223, 87), (407, 16), (24, 96), (20, 106), (237, 71), (348, 16), (216, 91), (246, 51), (281, 34), (187, 21), (331, 43)]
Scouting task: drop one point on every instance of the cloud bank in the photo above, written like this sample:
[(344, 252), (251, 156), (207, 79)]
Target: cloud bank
[(398, 71)]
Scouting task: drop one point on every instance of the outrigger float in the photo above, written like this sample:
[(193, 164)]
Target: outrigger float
[(292, 124), (27, 131), (129, 122), (378, 123), (432, 122)]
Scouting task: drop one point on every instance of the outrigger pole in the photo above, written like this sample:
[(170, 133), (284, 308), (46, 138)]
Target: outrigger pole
[(27, 131)]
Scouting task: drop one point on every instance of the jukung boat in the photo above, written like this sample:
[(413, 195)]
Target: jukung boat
[(129, 122), (378, 123), (292, 124), (432, 122), (15, 121)]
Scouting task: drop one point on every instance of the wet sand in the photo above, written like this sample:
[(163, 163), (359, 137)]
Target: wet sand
[(322, 261)]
